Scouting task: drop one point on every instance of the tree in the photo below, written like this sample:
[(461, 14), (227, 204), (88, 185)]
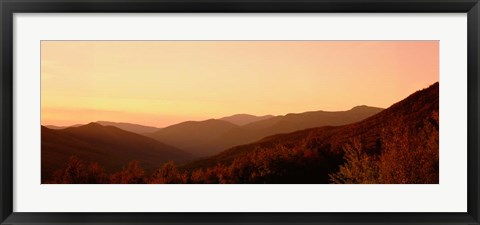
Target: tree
[(359, 167), (74, 172), (168, 174), (410, 154), (96, 174), (133, 173)]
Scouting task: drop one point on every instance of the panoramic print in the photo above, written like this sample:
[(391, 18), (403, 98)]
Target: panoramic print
[(239, 112)]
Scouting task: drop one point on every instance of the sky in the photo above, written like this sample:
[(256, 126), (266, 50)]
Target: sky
[(160, 83)]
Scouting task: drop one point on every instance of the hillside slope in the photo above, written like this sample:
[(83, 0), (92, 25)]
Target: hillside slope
[(209, 137), (189, 135), (110, 146), (131, 127), (286, 124)]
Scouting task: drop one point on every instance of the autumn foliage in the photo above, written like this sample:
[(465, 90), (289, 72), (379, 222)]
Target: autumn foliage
[(261, 166)]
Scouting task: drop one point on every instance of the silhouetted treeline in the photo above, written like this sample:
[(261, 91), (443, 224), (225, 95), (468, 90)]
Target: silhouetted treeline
[(278, 165)]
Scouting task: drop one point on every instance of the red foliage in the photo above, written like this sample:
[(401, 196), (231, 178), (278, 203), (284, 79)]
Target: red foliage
[(133, 173)]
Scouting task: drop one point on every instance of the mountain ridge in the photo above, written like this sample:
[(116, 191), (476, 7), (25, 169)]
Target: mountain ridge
[(243, 118), (187, 135), (132, 127), (216, 139), (288, 123), (108, 145)]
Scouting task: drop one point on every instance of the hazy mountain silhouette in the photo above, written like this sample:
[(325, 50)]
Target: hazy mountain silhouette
[(54, 127), (402, 141), (188, 135), (205, 138), (135, 128), (243, 119), (285, 124), (110, 146), (296, 121)]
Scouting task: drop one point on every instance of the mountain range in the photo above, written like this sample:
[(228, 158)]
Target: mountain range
[(113, 144), (209, 137), (108, 145), (135, 128)]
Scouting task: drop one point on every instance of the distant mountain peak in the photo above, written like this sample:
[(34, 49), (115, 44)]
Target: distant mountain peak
[(131, 127), (243, 118), (53, 127), (92, 124), (364, 107), (361, 107), (241, 114)]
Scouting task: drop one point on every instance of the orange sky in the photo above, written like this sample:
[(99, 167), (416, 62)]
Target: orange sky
[(160, 83)]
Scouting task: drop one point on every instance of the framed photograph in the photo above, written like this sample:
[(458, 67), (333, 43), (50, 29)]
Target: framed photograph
[(239, 112)]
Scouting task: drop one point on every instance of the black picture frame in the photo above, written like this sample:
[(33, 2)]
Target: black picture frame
[(9, 7)]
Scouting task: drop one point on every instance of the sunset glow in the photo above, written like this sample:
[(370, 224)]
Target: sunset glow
[(160, 83)]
